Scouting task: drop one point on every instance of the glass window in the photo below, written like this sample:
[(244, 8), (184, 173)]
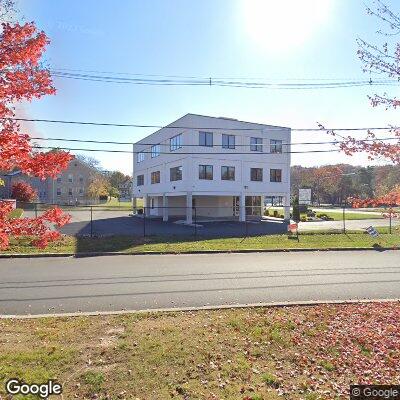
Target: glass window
[(140, 157), (58, 191), (227, 173), (70, 178), (276, 146), (228, 141), (81, 179), (175, 142), (59, 179), (206, 172), (255, 144), (140, 180), (206, 139), (275, 175), (70, 192), (155, 177), (175, 174), (256, 174), (81, 191), (155, 151)]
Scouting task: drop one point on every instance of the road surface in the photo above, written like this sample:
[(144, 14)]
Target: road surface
[(59, 285)]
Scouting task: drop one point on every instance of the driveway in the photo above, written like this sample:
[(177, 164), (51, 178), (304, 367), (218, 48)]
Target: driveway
[(59, 285), (354, 224)]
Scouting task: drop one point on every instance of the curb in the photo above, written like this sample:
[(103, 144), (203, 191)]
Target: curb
[(305, 303), (144, 253)]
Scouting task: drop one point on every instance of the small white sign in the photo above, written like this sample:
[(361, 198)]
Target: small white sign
[(304, 196), (372, 231)]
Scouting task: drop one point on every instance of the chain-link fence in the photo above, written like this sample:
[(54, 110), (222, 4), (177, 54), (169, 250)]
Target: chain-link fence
[(201, 222)]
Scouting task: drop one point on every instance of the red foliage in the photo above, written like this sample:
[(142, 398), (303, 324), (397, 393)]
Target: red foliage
[(39, 229), (22, 78), (22, 191)]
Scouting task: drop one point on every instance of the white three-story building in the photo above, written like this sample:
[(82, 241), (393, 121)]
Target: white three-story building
[(216, 167)]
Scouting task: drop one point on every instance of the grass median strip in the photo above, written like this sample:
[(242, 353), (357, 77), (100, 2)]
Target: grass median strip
[(181, 244), (309, 352)]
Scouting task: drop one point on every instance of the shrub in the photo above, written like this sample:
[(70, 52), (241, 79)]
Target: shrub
[(266, 213), (303, 219), (22, 191), (276, 213)]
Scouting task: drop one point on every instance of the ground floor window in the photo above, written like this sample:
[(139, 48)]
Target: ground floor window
[(253, 205), (140, 180)]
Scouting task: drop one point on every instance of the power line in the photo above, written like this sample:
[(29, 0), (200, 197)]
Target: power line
[(184, 153), (209, 81), (198, 145), (54, 121)]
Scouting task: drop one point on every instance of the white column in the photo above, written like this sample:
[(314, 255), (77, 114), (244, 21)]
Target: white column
[(134, 204), (286, 208), (189, 211), (165, 207), (242, 208)]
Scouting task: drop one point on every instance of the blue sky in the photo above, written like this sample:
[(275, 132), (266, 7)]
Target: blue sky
[(218, 38)]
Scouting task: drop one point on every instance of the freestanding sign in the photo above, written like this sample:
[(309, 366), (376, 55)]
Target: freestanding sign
[(304, 196)]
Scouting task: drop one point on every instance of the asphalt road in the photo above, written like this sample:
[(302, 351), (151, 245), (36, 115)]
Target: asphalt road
[(59, 285)]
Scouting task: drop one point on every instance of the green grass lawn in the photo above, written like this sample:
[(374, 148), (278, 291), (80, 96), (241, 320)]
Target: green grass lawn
[(180, 244), (349, 215), (270, 353)]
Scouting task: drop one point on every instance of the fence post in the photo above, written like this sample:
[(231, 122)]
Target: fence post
[(144, 221), (35, 210), (390, 221), (344, 218), (91, 221), (195, 222)]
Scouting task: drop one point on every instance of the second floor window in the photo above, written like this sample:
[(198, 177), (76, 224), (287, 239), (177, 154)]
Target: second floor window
[(256, 174), (155, 177), (70, 192), (228, 141), (140, 157), (58, 191), (275, 146), (275, 175), (155, 150), (256, 144), (175, 142), (140, 180), (70, 178), (206, 172), (175, 174), (227, 173), (206, 139), (59, 179)]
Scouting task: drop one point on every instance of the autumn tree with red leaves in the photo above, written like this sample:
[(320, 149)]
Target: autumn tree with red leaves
[(22, 78), (22, 191), (378, 59)]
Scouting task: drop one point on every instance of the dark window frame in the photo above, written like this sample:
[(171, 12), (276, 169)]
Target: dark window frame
[(230, 141), (206, 172), (275, 175), (175, 142), (178, 173), (276, 146), (257, 145), (229, 176), (255, 175), (208, 139), (140, 180), (155, 177)]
